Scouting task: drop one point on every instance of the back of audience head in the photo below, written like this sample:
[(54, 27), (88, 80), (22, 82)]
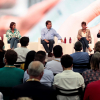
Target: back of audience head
[(78, 46), (66, 61), (57, 51), (1, 45), (97, 47), (95, 61), (10, 57), (35, 69), (40, 56), (24, 41), (29, 58)]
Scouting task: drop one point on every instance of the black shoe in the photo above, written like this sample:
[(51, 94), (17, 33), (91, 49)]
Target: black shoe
[(50, 54)]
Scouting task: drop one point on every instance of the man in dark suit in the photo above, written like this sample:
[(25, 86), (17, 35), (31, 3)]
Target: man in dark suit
[(33, 88)]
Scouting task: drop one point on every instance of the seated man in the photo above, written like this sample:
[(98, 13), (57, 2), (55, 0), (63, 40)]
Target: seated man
[(79, 57), (33, 88), (47, 78), (84, 36), (55, 65), (22, 51), (47, 37), (68, 79), (92, 91)]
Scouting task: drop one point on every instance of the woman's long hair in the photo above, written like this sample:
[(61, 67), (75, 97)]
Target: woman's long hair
[(11, 25), (29, 58)]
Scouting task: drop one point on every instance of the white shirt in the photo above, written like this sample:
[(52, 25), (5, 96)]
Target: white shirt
[(54, 65), (83, 34), (22, 52), (68, 80)]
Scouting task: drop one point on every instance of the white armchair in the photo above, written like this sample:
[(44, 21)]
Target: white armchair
[(7, 46), (40, 46)]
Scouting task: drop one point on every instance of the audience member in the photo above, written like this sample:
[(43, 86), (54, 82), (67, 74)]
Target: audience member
[(2, 52), (96, 48), (22, 51), (10, 75), (29, 58), (48, 77), (92, 91), (55, 65), (79, 57), (33, 88), (94, 73), (68, 79)]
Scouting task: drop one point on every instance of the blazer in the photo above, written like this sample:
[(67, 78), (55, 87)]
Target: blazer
[(33, 90), (88, 34)]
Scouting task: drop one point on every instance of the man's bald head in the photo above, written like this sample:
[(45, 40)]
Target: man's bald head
[(35, 68)]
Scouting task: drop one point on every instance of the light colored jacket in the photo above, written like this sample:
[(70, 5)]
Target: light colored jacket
[(88, 34)]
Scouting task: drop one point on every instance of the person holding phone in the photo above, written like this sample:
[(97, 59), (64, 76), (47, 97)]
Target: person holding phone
[(13, 35)]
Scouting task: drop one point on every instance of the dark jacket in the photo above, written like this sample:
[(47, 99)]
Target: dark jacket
[(34, 90)]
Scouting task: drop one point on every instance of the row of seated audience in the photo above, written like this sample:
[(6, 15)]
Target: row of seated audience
[(66, 77)]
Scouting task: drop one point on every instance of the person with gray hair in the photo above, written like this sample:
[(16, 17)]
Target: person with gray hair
[(79, 57), (93, 74), (48, 77), (33, 88)]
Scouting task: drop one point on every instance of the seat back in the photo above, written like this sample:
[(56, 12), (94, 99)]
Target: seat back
[(81, 65), (70, 92), (17, 64)]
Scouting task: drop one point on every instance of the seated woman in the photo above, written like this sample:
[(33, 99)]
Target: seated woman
[(94, 73), (2, 52), (13, 35), (84, 37)]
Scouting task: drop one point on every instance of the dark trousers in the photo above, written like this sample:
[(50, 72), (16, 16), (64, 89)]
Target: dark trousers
[(48, 49), (85, 43), (13, 42)]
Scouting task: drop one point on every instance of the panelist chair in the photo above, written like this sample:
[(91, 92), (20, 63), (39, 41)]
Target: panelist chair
[(7, 45), (40, 46), (70, 92)]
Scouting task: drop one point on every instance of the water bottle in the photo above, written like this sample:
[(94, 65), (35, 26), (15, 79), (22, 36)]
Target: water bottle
[(65, 40), (70, 40)]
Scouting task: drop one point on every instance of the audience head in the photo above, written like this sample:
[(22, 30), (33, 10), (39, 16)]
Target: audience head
[(24, 41), (83, 24), (12, 25), (95, 61), (40, 56), (48, 24), (29, 58), (78, 46), (10, 57), (35, 69), (57, 51), (97, 47), (66, 61), (1, 45)]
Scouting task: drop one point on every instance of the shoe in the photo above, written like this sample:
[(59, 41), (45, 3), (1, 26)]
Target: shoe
[(50, 54)]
